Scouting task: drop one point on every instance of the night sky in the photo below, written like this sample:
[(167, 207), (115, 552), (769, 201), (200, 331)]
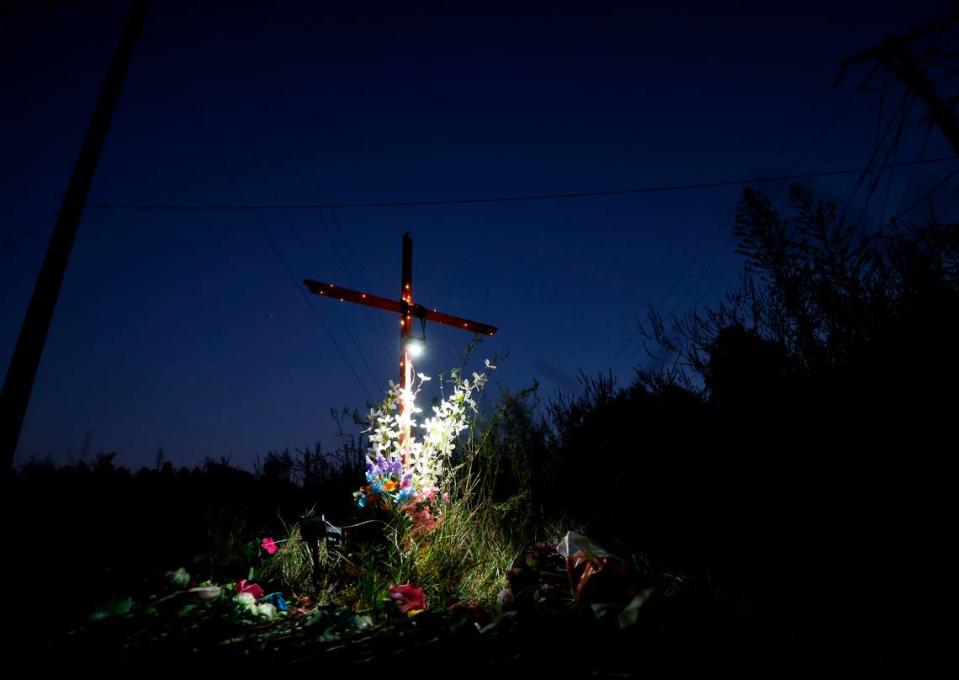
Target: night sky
[(186, 330)]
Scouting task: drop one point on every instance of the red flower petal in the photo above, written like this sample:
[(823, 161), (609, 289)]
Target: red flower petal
[(407, 597), (252, 588)]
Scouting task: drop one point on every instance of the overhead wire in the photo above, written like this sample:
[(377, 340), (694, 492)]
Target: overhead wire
[(27, 231), (871, 166), (662, 188), (912, 175), (890, 154), (334, 220), (299, 173), (805, 120), (724, 224), (346, 326), (335, 241), (296, 282), (258, 163), (888, 163), (309, 303)]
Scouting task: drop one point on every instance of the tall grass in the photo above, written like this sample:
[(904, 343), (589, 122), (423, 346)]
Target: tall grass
[(466, 556), (292, 565)]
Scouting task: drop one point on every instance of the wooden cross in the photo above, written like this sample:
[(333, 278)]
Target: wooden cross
[(404, 307)]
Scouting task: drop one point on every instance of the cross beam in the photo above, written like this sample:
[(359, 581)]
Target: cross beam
[(416, 311), (404, 307)]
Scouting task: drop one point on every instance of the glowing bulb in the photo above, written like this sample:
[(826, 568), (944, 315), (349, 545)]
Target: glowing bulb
[(415, 348)]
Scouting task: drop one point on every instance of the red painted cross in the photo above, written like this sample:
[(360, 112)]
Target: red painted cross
[(404, 307)]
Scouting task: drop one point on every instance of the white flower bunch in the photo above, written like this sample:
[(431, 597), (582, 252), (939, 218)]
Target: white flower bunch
[(423, 447)]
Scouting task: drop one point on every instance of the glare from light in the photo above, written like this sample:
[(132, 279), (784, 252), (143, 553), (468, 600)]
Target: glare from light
[(415, 348)]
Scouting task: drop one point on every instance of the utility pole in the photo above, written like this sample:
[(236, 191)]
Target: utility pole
[(22, 372), (894, 54)]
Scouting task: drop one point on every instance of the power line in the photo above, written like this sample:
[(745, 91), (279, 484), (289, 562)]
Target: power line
[(806, 119), (902, 114), (926, 195), (721, 227), (912, 175), (26, 232), (729, 218), (346, 326), (334, 220), (889, 162), (732, 259), (339, 258), (300, 288), (334, 243), (306, 299), (662, 188), (870, 167)]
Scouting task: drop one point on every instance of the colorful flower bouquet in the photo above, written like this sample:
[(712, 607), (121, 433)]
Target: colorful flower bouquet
[(387, 486), (407, 458)]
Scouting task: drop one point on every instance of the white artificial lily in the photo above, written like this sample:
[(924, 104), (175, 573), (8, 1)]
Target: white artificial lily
[(431, 442)]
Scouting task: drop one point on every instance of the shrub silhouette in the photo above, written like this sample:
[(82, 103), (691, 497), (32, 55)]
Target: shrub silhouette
[(796, 460)]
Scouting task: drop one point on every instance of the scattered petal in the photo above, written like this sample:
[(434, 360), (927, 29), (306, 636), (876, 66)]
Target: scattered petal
[(408, 598), (245, 588)]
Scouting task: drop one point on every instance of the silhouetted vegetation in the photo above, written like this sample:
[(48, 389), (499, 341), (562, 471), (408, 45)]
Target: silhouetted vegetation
[(793, 454)]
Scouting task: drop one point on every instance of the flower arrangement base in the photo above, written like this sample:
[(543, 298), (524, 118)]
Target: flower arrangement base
[(317, 528)]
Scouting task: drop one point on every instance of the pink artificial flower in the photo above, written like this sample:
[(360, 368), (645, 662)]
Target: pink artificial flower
[(252, 588), (269, 545), (423, 519), (408, 598)]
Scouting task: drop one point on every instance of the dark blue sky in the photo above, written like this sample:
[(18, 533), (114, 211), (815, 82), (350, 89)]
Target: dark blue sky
[(184, 331)]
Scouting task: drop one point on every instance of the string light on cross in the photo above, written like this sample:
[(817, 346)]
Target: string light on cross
[(405, 307)]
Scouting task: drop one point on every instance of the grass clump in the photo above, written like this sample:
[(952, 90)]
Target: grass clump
[(465, 557)]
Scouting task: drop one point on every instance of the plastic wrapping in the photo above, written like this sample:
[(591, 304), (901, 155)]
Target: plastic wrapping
[(594, 574)]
